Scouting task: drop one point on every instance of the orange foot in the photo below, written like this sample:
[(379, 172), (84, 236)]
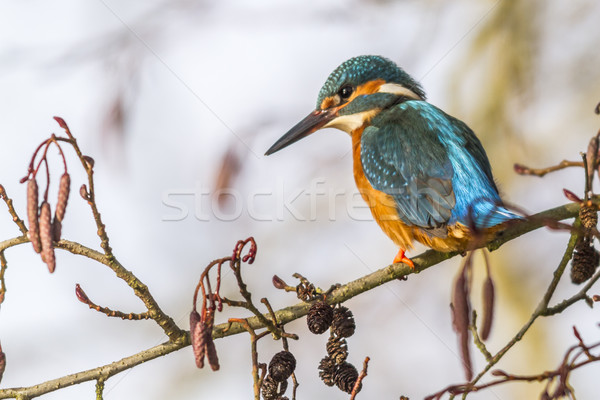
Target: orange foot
[(401, 258)]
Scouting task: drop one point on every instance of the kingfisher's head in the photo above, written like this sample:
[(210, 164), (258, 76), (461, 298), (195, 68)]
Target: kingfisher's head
[(354, 93)]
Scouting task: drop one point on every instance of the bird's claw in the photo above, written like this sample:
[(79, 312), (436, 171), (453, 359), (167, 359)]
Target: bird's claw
[(401, 258)]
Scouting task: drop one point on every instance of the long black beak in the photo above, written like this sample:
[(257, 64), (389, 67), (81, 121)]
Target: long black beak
[(310, 124)]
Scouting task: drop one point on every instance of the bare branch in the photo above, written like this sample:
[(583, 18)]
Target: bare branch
[(180, 339), (12, 211), (83, 297), (104, 372), (524, 170)]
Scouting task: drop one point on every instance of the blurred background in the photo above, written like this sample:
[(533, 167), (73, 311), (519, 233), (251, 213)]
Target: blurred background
[(177, 102)]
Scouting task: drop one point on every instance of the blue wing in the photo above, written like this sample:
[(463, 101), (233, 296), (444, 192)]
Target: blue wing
[(433, 166), (413, 168)]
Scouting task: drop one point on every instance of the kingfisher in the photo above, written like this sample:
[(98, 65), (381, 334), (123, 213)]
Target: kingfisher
[(423, 173)]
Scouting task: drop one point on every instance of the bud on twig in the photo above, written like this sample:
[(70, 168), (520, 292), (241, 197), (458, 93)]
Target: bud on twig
[(32, 215), (571, 196), (83, 192), (61, 122), (89, 161), (592, 161), (46, 236), (81, 296), (499, 372), (278, 282), (520, 169)]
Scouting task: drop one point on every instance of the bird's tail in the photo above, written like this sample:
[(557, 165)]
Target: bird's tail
[(486, 214)]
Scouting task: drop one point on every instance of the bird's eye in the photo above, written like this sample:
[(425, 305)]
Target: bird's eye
[(345, 92)]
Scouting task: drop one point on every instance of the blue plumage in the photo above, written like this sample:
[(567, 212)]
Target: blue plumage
[(433, 165), (361, 69), (423, 173)]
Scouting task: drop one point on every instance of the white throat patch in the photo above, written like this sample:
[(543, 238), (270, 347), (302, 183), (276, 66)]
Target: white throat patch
[(349, 123)]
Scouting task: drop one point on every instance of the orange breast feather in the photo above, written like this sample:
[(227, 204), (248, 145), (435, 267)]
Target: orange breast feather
[(385, 213)]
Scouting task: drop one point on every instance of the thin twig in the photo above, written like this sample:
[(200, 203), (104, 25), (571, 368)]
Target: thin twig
[(254, 354), (140, 289), (284, 315), (163, 320), (99, 388), (524, 170), (358, 383), (478, 343), (581, 295), (169, 326), (541, 308), (282, 333), (82, 296), (568, 365), (12, 211), (235, 265), (104, 241)]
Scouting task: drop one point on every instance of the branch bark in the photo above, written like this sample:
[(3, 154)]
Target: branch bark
[(100, 373)]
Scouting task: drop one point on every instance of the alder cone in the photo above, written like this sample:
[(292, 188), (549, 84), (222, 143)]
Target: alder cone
[(343, 324), (319, 318), (345, 377), (282, 365)]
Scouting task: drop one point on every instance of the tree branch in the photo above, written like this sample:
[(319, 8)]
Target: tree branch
[(399, 270), (12, 211), (523, 170), (283, 316), (100, 373), (140, 289), (171, 329), (539, 311)]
